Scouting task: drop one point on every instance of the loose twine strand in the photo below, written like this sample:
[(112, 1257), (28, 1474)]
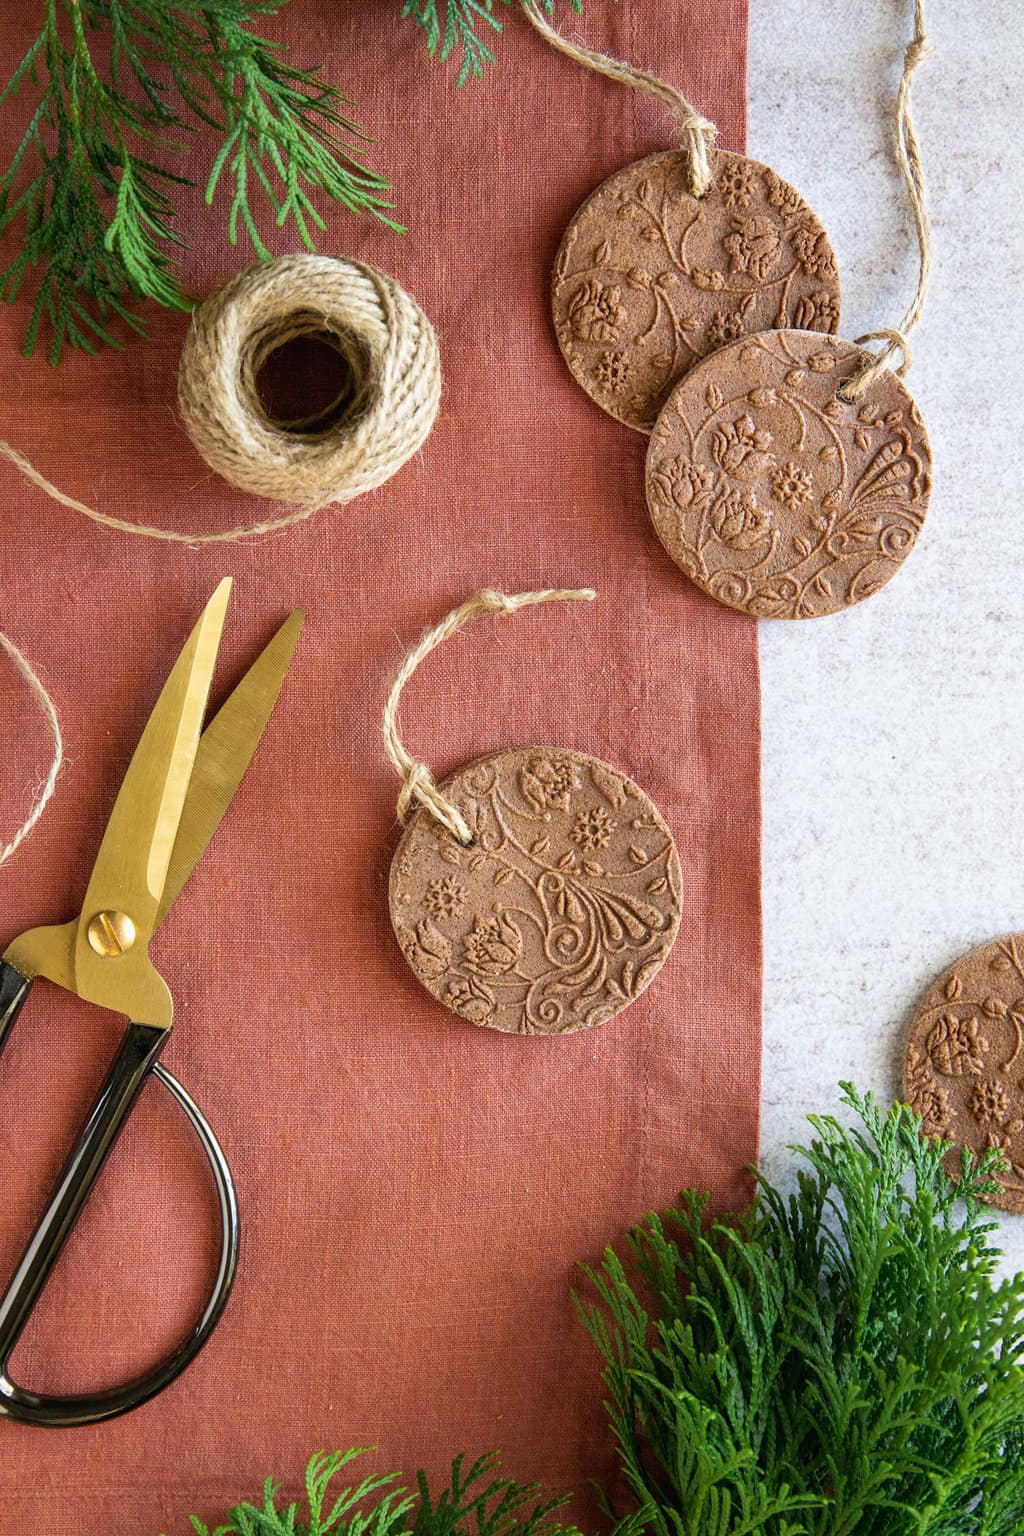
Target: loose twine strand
[(49, 711), (417, 780), (391, 353), (696, 134), (908, 152)]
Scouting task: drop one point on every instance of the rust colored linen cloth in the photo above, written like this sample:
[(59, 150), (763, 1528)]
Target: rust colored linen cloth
[(415, 1191)]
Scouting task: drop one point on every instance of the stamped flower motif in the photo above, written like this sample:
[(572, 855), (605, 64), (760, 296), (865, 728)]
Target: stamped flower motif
[(780, 194), (741, 448), (548, 782), (988, 1102), (427, 950), (593, 828), (739, 521), (596, 312), (446, 897), (813, 251), (470, 999), (736, 184), (724, 328), (707, 278), (682, 483), (817, 312), (612, 370), (932, 1103), (955, 1047), (791, 485), (754, 246), (492, 946)]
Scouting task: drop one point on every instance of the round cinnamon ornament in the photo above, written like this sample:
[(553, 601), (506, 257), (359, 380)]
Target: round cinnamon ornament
[(537, 890), (650, 279), (774, 492), (964, 1069)]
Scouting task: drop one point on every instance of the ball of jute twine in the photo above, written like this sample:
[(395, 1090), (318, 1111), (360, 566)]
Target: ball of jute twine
[(393, 390), (49, 712), (380, 419)]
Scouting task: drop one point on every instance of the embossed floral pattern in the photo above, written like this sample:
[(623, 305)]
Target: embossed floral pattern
[(595, 312), (772, 492), (572, 894), (612, 370), (791, 485), (593, 827), (755, 246), (664, 279), (445, 897), (964, 1070)]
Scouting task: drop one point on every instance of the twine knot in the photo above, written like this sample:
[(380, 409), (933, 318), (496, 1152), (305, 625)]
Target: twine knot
[(696, 134), (895, 341), (418, 784)]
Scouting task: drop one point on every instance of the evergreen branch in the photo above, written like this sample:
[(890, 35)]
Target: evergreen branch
[(121, 84), (454, 26), (474, 1504), (840, 1361)]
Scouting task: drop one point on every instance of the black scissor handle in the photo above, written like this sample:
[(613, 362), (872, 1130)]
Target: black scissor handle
[(137, 1059)]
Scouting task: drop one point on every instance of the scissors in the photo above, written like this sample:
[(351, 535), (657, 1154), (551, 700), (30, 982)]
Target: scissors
[(179, 784)]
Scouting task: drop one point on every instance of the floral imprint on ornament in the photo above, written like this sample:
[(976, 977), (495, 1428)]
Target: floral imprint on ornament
[(664, 278), (776, 495), (571, 893), (964, 1066)]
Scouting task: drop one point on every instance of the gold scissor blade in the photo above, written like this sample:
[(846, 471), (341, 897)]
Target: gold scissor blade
[(131, 868), (225, 752)]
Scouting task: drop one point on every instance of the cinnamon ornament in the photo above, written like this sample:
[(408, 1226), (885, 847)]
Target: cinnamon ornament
[(537, 890)]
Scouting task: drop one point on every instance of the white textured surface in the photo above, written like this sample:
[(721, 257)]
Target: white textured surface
[(893, 739)]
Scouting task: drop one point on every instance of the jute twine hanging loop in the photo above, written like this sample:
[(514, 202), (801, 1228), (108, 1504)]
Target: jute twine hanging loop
[(696, 134), (390, 403), (49, 712), (908, 153), (417, 780)]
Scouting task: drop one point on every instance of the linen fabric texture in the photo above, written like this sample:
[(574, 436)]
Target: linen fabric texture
[(416, 1192)]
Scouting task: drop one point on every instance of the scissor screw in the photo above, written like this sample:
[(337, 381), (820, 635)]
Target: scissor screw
[(111, 933)]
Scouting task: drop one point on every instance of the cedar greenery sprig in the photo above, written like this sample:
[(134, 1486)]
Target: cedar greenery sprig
[(474, 1504), (841, 1361), (454, 26), (121, 84)]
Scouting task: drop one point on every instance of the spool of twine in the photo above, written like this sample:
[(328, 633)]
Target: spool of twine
[(381, 416), (49, 712)]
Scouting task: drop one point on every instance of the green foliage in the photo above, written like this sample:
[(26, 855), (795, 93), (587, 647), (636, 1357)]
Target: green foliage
[(454, 26), (839, 1362), (118, 86), (475, 1504)]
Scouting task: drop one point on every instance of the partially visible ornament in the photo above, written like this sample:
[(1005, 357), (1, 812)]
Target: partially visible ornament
[(789, 475), (537, 890), (964, 1067), (677, 255)]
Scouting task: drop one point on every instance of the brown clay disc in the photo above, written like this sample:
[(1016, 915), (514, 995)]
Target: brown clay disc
[(964, 1072), (774, 494), (563, 909), (649, 279)]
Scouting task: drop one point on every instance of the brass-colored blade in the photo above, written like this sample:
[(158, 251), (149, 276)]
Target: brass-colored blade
[(225, 752), (131, 869)]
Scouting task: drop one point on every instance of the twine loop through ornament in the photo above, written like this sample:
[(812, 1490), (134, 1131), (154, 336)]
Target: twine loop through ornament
[(49, 712), (418, 785), (537, 890), (380, 418)]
